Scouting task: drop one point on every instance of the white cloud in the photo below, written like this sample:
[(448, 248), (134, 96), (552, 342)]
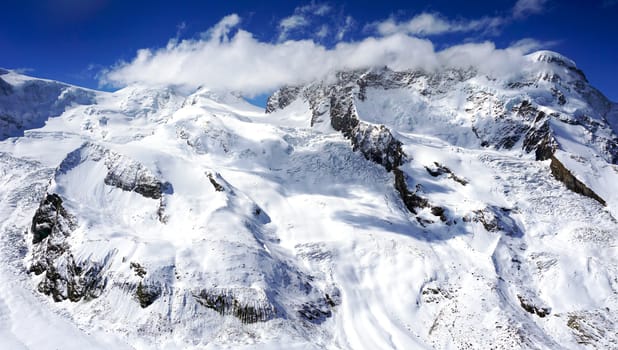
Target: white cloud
[(243, 63), (291, 23), (344, 28), (427, 24), (524, 8), (302, 17), (221, 30), (317, 9), (322, 32)]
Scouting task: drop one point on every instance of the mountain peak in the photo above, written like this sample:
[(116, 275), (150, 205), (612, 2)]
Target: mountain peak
[(552, 57)]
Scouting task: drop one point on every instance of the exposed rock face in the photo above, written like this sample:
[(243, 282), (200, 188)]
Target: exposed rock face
[(147, 294), (282, 98), (412, 201), (63, 278), (496, 219), (141, 183), (375, 142), (440, 170), (214, 183), (562, 174), (541, 141), (50, 217), (533, 309), (66, 277), (226, 303), (337, 100), (123, 172)]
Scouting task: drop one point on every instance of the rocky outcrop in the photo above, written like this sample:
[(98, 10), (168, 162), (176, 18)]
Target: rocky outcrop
[(50, 217), (439, 170), (411, 200), (531, 308), (63, 277), (214, 183), (226, 303), (496, 219), (146, 294), (318, 311), (130, 175), (562, 174), (123, 172), (541, 141), (374, 142), (282, 98)]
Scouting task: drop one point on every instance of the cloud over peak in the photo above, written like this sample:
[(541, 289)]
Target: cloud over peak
[(240, 62)]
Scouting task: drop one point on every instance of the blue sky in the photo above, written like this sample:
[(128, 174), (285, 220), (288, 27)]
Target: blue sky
[(85, 41)]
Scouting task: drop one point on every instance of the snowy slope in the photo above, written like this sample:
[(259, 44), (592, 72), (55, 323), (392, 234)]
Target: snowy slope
[(381, 210)]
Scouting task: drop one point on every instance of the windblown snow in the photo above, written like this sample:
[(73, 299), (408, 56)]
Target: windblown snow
[(378, 210)]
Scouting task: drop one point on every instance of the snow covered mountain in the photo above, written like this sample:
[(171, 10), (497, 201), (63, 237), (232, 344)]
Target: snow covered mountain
[(378, 209)]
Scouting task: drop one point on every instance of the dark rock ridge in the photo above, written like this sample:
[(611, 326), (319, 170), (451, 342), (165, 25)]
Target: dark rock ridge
[(63, 277), (146, 294), (214, 183), (50, 217), (123, 172), (282, 98), (411, 200), (562, 174), (440, 170), (337, 101), (374, 142), (226, 303), (531, 308)]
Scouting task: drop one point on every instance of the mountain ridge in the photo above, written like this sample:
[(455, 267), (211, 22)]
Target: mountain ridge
[(378, 209)]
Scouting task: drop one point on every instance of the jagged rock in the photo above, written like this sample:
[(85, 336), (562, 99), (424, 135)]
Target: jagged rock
[(134, 177), (147, 294), (375, 142), (140, 271), (123, 172), (439, 212), (317, 312), (541, 141), (531, 308), (226, 303), (411, 200), (214, 183), (562, 174), (50, 217), (496, 219), (282, 98), (64, 278), (440, 170)]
